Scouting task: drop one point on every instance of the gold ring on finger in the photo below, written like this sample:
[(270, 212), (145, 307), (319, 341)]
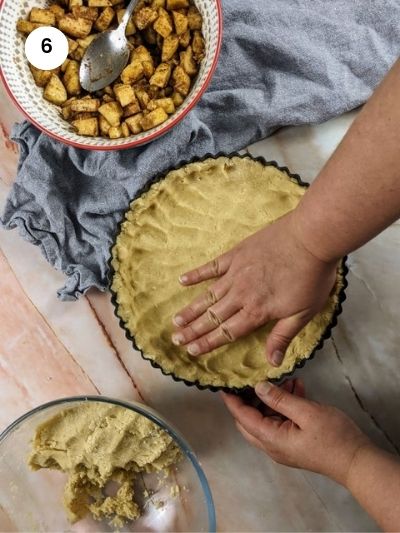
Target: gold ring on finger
[(226, 333), (211, 297), (213, 317)]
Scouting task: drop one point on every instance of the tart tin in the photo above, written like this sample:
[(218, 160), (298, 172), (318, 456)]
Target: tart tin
[(246, 390)]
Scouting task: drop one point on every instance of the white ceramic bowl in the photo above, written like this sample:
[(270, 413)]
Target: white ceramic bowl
[(20, 85)]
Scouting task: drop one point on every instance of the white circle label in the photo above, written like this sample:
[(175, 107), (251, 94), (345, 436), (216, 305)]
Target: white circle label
[(46, 48)]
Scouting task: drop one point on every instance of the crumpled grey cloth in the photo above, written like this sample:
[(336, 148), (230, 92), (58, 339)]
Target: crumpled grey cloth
[(283, 62)]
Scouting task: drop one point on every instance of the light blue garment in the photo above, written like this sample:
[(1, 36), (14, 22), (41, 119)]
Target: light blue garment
[(283, 62)]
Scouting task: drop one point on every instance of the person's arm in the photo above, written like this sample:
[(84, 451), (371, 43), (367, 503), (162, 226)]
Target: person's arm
[(285, 271), (324, 440), (374, 480), (357, 193)]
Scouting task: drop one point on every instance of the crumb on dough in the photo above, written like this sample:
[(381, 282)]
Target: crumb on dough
[(175, 490)]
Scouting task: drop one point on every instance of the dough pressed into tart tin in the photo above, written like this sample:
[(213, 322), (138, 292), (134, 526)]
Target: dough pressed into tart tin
[(187, 217)]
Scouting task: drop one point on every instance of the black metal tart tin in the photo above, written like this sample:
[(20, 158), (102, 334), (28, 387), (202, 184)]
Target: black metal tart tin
[(247, 390)]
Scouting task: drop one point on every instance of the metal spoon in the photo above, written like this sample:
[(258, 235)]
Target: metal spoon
[(106, 56)]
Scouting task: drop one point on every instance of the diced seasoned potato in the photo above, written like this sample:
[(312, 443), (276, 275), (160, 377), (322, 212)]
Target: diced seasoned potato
[(71, 78), (125, 129), (64, 66), (86, 126), (130, 28), (163, 24), (177, 99), (78, 53), (142, 96), (105, 19), (166, 103), (133, 72), (141, 54), (195, 20), (76, 27), (134, 123), (181, 81), (66, 111), (103, 125), (148, 68), (144, 17), (180, 22), (184, 39), (161, 75), (107, 98), (124, 94), (90, 13), (99, 3), (109, 90), (43, 16), (187, 62), (112, 112), (57, 10), (170, 46), (198, 46), (157, 3), (41, 77), (84, 43), (55, 91), (132, 108), (84, 114), (115, 132), (153, 119), (25, 26), (69, 101), (73, 3), (177, 4), (72, 45), (85, 105)]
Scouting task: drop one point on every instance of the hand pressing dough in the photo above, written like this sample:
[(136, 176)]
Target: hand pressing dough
[(193, 215), (95, 443)]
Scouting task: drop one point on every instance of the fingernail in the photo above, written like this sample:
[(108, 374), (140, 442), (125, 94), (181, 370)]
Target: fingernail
[(183, 279), (177, 339), (263, 388), (178, 321), (277, 358), (193, 349)]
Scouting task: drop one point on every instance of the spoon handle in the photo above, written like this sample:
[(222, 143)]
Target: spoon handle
[(127, 15)]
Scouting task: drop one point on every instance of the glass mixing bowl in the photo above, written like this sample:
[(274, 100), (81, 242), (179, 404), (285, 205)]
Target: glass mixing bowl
[(32, 501)]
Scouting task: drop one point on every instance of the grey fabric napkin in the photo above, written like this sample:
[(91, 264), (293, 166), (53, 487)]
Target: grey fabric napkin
[(283, 62)]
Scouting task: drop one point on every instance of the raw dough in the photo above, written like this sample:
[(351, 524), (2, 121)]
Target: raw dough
[(193, 215), (95, 443)]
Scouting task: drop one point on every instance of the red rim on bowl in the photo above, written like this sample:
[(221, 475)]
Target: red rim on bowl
[(134, 142)]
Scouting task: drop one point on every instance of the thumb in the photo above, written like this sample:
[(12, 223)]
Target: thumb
[(291, 406), (281, 336)]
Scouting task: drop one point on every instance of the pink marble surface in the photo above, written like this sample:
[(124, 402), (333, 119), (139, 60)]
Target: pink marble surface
[(50, 349)]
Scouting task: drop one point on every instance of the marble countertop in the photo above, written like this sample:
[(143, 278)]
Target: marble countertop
[(50, 349)]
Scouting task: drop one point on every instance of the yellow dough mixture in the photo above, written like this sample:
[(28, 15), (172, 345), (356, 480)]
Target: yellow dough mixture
[(193, 215), (96, 443)]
